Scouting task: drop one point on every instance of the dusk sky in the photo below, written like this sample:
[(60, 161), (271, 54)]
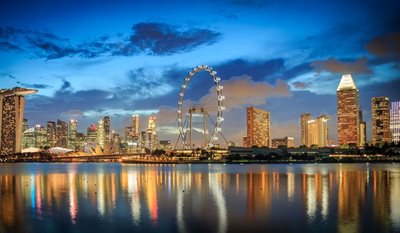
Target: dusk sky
[(96, 58)]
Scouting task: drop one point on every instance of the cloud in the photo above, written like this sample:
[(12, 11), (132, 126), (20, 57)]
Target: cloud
[(34, 85), (73, 113), (300, 85), (162, 39), (243, 90), (387, 47), (360, 66), (150, 38)]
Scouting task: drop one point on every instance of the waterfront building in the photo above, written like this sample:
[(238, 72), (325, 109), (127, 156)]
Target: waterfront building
[(317, 130), (72, 131), (258, 127), (165, 145), (395, 121), (380, 120), (12, 106), (348, 108), (29, 138), (304, 118), (135, 125), (51, 133), (62, 134), (101, 135), (286, 142)]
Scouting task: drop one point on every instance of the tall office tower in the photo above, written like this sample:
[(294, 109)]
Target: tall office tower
[(91, 136), (72, 130), (380, 120), (12, 106), (29, 138), (245, 141), (40, 136), (348, 108), (128, 134), (317, 130), (395, 121), (135, 125), (25, 125), (258, 127), (116, 140), (304, 118), (363, 131), (62, 134), (51, 134), (101, 134), (107, 128), (152, 123)]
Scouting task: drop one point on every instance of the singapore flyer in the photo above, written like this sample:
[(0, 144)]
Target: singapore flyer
[(185, 125)]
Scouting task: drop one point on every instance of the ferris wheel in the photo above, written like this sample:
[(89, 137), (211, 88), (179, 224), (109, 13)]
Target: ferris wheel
[(208, 141)]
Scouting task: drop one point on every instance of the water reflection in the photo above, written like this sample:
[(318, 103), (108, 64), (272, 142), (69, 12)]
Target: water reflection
[(200, 198)]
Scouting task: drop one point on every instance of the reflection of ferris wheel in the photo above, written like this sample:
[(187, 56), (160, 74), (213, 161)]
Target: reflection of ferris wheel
[(182, 125)]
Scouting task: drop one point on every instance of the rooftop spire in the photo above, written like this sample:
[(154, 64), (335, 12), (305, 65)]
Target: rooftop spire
[(346, 83)]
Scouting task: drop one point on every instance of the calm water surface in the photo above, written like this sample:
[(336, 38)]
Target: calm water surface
[(94, 197)]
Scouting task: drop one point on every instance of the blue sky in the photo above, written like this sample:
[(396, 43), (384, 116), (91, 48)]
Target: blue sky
[(95, 58)]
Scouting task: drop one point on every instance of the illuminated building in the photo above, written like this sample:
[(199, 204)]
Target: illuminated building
[(317, 130), (40, 136), (62, 133), (286, 141), (116, 141), (244, 141), (165, 145), (72, 128), (101, 136), (80, 141), (135, 125), (395, 121), (128, 134), (152, 123), (91, 133), (107, 129), (12, 106), (380, 120), (51, 134), (304, 118), (363, 131), (29, 138), (258, 127), (348, 108)]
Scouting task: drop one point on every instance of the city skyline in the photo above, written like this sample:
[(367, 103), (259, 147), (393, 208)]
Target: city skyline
[(125, 65)]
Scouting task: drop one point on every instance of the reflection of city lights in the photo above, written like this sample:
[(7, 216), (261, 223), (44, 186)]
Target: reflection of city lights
[(325, 198), (290, 186), (311, 198), (101, 205), (395, 199), (217, 192), (135, 199), (73, 207)]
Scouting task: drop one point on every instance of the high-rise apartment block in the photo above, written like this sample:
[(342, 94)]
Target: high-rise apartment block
[(286, 142), (101, 134), (62, 134), (380, 120), (317, 131), (348, 108), (395, 121), (107, 129), (258, 127), (12, 106), (135, 125), (304, 118), (72, 131)]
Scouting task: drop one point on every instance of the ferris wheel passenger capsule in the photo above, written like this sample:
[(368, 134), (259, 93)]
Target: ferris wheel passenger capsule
[(214, 138), (221, 97), (221, 108), (218, 129), (219, 87), (217, 79), (220, 119)]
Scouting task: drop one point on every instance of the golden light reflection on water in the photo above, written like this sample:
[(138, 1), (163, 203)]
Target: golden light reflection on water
[(154, 194)]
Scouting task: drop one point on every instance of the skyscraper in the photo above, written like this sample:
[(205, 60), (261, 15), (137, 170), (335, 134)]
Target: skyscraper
[(380, 120), (101, 137), (152, 123), (128, 134), (395, 121), (317, 130), (258, 127), (12, 106), (51, 134), (62, 134), (151, 134), (348, 111), (304, 118), (107, 129), (91, 134), (72, 130), (135, 125)]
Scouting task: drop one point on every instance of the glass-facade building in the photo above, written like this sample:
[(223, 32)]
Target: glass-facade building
[(395, 121), (380, 120)]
